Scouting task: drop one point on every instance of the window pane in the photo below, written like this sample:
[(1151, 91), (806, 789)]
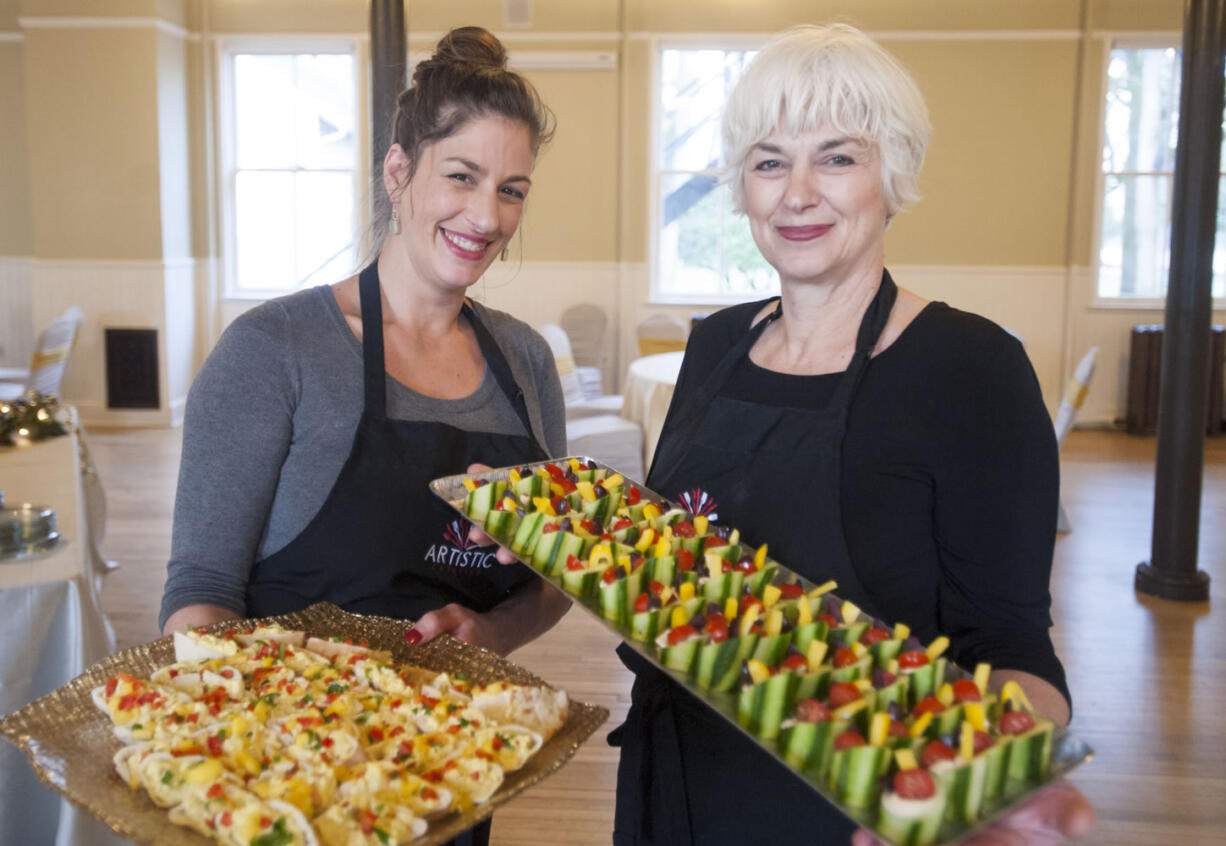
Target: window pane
[(264, 223), (703, 247), (264, 110), (325, 111), (1142, 120), (324, 205), (694, 85), (1134, 256)]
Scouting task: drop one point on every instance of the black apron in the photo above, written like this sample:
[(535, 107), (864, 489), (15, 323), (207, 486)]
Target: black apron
[(685, 777), (382, 543)]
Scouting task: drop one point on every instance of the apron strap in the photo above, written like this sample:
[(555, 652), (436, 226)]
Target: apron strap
[(374, 377), (497, 363)]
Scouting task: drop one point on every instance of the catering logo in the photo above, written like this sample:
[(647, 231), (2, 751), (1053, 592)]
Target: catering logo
[(457, 553), (699, 502)]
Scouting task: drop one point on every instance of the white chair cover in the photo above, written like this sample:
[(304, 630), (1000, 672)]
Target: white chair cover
[(1074, 398), (657, 333), (579, 403)]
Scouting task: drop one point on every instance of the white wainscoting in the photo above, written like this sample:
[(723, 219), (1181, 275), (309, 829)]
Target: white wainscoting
[(121, 294), (16, 312)]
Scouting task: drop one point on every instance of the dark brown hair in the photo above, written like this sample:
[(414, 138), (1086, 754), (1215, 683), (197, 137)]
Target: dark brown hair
[(466, 78)]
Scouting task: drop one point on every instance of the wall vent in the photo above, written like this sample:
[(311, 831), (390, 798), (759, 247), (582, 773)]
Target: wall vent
[(132, 368), (517, 13)]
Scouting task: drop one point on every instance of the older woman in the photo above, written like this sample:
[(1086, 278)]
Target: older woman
[(896, 445)]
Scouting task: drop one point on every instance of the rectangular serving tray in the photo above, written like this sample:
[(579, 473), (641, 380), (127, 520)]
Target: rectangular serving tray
[(1068, 751)]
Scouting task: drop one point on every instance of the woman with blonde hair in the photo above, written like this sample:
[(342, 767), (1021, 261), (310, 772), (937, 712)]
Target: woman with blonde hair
[(898, 446)]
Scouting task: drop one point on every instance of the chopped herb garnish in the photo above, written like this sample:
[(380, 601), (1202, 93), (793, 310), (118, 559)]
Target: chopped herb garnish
[(382, 835), (279, 836), (166, 777)]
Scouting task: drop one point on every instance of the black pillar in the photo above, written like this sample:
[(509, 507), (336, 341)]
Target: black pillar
[(1171, 571), (387, 73)]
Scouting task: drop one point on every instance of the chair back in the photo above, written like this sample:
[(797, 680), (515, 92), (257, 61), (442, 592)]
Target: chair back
[(1075, 394), (51, 352), (587, 326), (559, 343), (658, 333)]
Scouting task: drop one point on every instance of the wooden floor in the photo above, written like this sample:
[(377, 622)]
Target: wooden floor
[(1148, 677)]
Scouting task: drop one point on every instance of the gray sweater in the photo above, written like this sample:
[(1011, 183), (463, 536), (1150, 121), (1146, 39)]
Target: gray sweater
[(270, 420)]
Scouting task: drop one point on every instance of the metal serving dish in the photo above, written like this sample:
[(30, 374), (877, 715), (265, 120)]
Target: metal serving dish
[(27, 530), (1067, 751)]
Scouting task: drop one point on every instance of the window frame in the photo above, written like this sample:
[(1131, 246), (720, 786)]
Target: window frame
[(656, 173), (227, 47), (1153, 41)]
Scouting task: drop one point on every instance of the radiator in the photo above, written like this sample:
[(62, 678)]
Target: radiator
[(1144, 376)]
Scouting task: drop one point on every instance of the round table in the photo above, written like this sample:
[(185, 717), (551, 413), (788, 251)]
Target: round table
[(648, 390)]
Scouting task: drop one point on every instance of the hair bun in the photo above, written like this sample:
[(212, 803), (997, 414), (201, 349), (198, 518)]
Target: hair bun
[(470, 45)]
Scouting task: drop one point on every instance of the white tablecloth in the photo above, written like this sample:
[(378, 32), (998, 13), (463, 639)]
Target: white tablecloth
[(648, 389), (52, 629)]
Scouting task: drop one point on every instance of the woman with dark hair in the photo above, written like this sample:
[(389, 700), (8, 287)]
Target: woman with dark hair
[(315, 425)]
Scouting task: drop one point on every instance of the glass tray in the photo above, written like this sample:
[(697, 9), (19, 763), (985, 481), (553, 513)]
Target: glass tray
[(1068, 752), (69, 741)]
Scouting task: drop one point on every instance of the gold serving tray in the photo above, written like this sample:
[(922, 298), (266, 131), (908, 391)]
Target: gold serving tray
[(70, 743), (1068, 752)]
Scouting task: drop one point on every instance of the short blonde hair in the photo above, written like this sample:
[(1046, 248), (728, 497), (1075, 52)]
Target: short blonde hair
[(834, 75)]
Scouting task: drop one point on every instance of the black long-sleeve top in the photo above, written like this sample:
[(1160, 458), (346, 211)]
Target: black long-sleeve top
[(950, 479)]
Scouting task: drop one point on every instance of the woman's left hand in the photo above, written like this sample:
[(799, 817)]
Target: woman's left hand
[(460, 622), (1053, 814)]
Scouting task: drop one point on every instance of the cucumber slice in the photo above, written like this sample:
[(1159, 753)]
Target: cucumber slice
[(995, 759), (846, 635), (947, 722), (912, 822), (722, 587), (884, 651), (479, 502), (1030, 752), (528, 534), (761, 707), (617, 599), (861, 669), (894, 692), (501, 525), (719, 664), (855, 774), (553, 549), (964, 784), (926, 679), (808, 746), (772, 649), (759, 579), (582, 583), (533, 485), (661, 569), (680, 657), (802, 636), (815, 685)]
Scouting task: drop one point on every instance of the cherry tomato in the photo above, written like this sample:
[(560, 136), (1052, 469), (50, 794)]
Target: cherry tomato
[(887, 678), (844, 657), (812, 711), (680, 633), (926, 705), (549, 528), (794, 662), (966, 690), (610, 576), (684, 529), (983, 741), (828, 619), (897, 729), (717, 631), (640, 604), (874, 635), (745, 565), (573, 563), (633, 496), (911, 660), (214, 744), (555, 471), (590, 526), (1016, 722), (714, 540), (848, 739), (685, 560), (842, 693), (749, 601), (937, 751), (914, 784), (568, 485), (623, 523), (655, 587)]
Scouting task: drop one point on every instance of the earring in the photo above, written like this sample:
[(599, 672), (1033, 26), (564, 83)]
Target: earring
[(393, 225), (506, 251)]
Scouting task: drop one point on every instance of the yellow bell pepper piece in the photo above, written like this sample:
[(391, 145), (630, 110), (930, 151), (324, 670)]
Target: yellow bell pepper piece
[(850, 611), (666, 595), (663, 548), (714, 563), (816, 654), (905, 759), (966, 741), (730, 607), (1012, 692), (849, 710), (774, 622), (734, 537), (514, 476), (576, 466), (823, 588), (700, 524), (920, 725), (586, 491), (624, 561), (759, 557), (859, 649), (804, 612), (758, 671), (937, 648), (470, 485), (901, 631), (748, 619), (666, 533), (613, 481), (770, 595), (863, 685), (651, 511), (945, 694), (645, 540), (556, 489), (679, 617), (983, 672), (601, 556), (892, 667), (544, 505), (879, 729), (206, 772), (686, 592), (975, 715)]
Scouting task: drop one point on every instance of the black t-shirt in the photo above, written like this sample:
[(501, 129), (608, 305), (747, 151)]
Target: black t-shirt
[(950, 479)]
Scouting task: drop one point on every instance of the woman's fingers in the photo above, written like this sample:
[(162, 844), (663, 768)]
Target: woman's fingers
[(480, 538), (431, 625)]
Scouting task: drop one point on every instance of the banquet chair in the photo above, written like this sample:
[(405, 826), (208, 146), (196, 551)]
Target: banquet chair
[(1074, 398), (659, 333), (50, 356), (578, 403), (587, 327)]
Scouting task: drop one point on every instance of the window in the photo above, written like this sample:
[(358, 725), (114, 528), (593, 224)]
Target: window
[(703, 251), (289, 168), (1138, 164)]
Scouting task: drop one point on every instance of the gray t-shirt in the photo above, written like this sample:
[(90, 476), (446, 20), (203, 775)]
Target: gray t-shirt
[(270, 421)]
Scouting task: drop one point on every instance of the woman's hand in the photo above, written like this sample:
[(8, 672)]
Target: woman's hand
[(459, 622), (1053, 814), (503, 555)]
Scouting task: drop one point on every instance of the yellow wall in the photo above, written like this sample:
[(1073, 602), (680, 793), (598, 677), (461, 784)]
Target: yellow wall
[(14, 163)]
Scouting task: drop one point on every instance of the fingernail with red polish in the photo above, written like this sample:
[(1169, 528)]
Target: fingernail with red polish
[(412, 637)]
